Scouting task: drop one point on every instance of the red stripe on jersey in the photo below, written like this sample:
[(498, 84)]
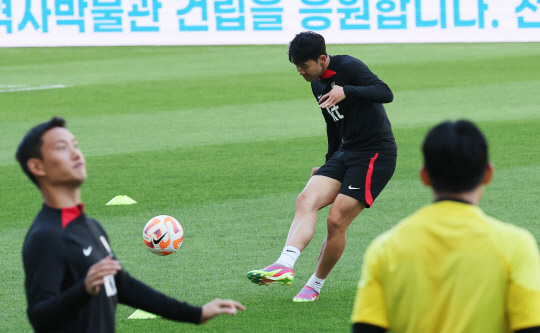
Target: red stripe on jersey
[(327, 73), (71, 213), (369, 198)]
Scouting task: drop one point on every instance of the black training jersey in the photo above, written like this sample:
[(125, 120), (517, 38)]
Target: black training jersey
[(58, 251), (359, 122)]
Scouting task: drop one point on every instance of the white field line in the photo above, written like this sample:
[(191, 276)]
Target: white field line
[(22, 87)]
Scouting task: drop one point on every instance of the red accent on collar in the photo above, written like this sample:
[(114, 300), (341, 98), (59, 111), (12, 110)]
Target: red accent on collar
[(327, 73), (71, 213)]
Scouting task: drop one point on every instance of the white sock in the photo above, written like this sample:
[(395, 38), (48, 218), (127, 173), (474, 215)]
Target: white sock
[(315, 283), (288, 257)]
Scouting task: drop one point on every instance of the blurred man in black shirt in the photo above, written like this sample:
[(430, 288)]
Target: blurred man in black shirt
[(73, 280)]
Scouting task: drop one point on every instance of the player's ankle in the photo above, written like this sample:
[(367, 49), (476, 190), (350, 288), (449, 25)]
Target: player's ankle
[(288, 257), (315, 283)]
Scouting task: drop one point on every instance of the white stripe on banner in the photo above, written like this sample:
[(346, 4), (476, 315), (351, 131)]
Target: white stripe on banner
[(219, 22)]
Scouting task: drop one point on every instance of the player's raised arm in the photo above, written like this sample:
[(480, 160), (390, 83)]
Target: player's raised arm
[(366, 85), (330, 99)]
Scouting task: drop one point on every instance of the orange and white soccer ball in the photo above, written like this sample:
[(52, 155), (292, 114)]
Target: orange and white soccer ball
[(163, 235)]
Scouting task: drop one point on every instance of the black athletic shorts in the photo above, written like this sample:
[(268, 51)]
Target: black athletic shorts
[(363, 175)]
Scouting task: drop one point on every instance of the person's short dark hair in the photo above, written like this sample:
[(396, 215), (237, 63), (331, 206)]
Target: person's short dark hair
[(30, 146), (307, 45), (455, 156)]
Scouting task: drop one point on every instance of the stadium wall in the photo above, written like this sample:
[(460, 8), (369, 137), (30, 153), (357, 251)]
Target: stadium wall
[(27, 23)]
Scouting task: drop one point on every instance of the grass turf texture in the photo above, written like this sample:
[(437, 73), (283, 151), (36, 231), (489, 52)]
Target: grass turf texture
[(224, 137)]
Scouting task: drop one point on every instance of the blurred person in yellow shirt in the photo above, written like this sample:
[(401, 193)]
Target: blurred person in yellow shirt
[(449, 267)]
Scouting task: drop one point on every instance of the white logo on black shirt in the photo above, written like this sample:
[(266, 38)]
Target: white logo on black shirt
[(335, 113), (87, 251)]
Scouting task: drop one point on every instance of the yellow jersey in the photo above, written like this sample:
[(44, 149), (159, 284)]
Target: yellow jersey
[(449, 268)]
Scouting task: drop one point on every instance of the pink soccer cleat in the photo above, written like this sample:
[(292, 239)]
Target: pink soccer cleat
[(272, 274), (307, 294)]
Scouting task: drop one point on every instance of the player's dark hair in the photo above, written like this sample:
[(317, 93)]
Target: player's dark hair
[(30, 146), (307, 45), (455, 156)]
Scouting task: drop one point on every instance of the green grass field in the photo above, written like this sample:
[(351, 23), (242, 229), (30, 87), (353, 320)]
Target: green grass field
[(224, 137)]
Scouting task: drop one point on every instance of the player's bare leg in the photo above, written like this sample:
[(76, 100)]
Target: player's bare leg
[(344, 210), (319, 192)]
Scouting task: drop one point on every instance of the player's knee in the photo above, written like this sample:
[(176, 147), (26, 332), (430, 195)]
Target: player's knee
[(304, 201), (335, 224)]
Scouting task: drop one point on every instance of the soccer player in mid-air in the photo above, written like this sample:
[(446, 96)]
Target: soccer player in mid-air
[(360, 161), (450, 268), (73, 280)]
